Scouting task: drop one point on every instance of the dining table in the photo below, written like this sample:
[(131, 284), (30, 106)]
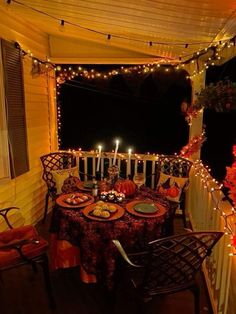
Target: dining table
[(78, 239)]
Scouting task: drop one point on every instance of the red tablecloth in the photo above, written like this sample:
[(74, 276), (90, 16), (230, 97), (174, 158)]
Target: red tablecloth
[(90, 242)]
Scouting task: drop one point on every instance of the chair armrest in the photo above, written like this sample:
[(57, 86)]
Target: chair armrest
[(4, 212), (123, 253), (17, 244), (8, 209)]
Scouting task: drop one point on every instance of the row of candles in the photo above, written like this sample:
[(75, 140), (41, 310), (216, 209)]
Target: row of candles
[(115, 156)]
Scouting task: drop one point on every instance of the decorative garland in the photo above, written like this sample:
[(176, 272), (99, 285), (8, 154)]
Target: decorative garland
[(68, 73), (193, 145), (230, 179), (65, 73), (192, 113)]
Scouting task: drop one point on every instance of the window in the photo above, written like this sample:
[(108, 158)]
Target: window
[(13, 113)]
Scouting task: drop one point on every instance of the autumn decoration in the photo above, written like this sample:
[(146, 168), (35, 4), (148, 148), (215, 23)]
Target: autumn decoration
[(166, 189), (193, 146), (126, 186), (230, 179)]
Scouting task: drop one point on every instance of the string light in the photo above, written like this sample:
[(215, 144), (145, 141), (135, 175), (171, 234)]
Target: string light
[(199, 168), (63, 21), (193, 145), (211, 185), (66, 72), (61, 78)]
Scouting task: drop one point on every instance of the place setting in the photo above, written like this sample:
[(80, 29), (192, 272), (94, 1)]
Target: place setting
[(87, 186), (145, 208), (74, 200)]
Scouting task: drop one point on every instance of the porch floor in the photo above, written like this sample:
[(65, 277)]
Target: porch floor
[(23, 292)]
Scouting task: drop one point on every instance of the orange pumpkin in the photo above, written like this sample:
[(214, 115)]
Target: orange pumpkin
[(173, 191), (126, 186)]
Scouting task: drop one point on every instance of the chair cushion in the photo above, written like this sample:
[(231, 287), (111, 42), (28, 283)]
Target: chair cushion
[(171, 187), (11, 257), (70, 185), (59, 176)]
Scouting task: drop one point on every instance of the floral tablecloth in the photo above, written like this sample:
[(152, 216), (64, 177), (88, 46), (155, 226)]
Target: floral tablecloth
[(97, 253)]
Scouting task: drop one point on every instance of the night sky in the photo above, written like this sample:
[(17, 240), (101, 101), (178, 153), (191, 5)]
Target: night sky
[(220, 126), (142, 111)]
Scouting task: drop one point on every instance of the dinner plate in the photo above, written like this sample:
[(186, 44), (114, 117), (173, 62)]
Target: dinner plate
[(87, 211), (86, 185), (143, 209), (62, 200)]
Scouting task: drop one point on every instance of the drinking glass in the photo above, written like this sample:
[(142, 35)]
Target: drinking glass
[(139, 179)]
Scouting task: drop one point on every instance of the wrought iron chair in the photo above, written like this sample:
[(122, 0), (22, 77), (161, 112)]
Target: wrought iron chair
[(169, 265), (176, 167), (21, 246), (50, 162)]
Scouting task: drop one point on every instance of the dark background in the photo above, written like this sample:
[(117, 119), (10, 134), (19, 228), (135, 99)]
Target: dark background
[(220, 126), (143, 111)]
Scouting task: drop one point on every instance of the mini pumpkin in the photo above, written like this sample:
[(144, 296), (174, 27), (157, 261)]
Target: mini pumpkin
[(125, 186), (173, 191)]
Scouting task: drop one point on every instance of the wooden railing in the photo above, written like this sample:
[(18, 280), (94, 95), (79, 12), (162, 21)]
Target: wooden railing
[(208, 210)]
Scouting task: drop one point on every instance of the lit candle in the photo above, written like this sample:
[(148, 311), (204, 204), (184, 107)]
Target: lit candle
[(116, 149), (99, 156), (129, 161)]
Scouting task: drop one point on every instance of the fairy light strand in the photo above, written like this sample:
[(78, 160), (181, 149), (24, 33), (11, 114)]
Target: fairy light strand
[(64, 73), (208, 182), (108, 35)]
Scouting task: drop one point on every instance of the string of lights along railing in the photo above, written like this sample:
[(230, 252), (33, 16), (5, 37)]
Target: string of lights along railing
[(212, 186)]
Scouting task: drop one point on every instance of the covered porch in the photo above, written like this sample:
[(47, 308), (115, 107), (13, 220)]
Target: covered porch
[(206, 209)]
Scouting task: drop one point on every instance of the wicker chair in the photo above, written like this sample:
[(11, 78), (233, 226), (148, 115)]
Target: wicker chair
[(177, 167), (169, 265), (23, 246), (50, 162)]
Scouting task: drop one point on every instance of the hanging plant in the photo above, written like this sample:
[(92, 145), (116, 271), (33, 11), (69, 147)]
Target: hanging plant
[(220, 97)]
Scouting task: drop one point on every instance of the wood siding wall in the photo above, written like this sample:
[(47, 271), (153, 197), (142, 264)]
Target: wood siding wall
[(28, 190)]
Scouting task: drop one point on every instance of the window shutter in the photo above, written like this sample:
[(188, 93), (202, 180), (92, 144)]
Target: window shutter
[(15, 108)]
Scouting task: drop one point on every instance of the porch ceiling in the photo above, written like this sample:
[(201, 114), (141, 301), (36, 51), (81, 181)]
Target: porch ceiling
[(143, 29)]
